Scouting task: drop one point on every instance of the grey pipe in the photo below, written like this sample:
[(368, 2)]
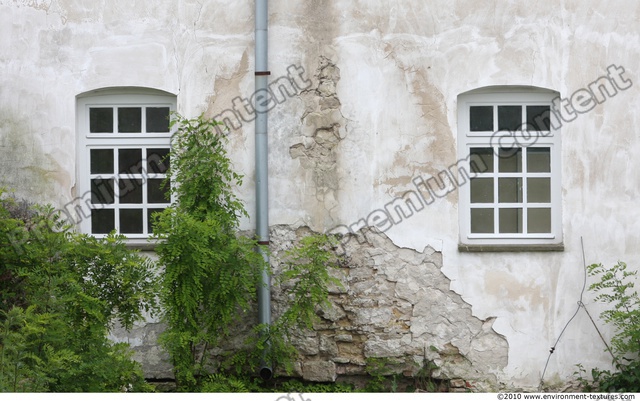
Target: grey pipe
[(262, 165)]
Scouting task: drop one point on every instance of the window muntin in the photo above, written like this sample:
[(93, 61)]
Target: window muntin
[(505, 195), (513, 198), (135, 187), (124, 146)]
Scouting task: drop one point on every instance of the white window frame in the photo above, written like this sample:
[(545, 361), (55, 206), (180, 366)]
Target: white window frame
[(467, 139), (117, 97)]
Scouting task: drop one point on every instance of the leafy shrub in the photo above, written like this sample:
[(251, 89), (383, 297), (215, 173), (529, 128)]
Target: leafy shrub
[(616, 288), (212, 272), (222, 383), (219, 383), (306, 277), (60, 293)]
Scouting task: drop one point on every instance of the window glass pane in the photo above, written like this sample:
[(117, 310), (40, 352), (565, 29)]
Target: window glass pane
[(539, 189), (130, 190), (157, 193), (150, 213), (131, 221), (481, 190), (481, 118), (158, 160), (482, 220), (102, 221), (539, 160), (157, 119), (130, 161), (101, 161), (100, 119), (510, 160), (538, 118), (509, 118), (510, 220), (481, 160), (509, 190), (102, 191), (539, 220), (129, 119)]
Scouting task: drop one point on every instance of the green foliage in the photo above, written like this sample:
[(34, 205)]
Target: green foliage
[(382, 377), (60, 293), (224, 383), (219, 383), (296, 386), (306, 278), (211, 273), (423, 379), (625, 380), (616, 288)]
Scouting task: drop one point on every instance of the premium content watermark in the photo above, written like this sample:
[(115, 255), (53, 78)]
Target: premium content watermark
[(426, 189), (566, 110), (244, 110)]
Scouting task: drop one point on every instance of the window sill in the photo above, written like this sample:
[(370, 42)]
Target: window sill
[(141, 244), (511, 248)]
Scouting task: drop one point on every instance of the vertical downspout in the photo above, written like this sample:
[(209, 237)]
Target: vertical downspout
[(262, 190)]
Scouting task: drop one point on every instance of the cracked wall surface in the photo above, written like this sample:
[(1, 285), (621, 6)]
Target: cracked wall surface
[(394, 303), (381, 110), (323, 127)]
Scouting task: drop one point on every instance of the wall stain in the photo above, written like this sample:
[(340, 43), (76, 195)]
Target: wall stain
[(26, 168)]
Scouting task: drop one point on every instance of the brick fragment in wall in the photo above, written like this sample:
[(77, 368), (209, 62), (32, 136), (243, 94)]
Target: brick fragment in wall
[(319, 371), (347, 338), (328, 346)]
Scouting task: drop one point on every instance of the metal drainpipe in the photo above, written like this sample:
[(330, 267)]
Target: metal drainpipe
[(262, 167)]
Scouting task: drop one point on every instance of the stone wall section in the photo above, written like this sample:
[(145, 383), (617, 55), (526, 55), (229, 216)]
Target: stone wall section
[(394, 303)]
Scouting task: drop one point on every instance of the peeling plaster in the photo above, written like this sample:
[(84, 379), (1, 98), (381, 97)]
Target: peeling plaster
[(396, 303), (323, 128), (381, 111)]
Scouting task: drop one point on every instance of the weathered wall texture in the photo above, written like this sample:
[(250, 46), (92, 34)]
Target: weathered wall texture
[(380, 111), (394, 303)]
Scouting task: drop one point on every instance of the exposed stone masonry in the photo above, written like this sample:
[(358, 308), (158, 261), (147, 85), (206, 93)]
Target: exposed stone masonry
[(395, 303), (323, 127)]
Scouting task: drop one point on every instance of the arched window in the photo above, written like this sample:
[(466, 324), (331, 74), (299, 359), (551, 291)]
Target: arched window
[(124, 140), (509, 138)]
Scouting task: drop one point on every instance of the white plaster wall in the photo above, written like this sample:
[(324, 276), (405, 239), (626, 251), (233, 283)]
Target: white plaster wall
[(402, 66)]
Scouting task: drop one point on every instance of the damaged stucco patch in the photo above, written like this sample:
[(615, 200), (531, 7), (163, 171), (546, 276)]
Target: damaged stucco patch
[(394, 303), (323, 127)]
